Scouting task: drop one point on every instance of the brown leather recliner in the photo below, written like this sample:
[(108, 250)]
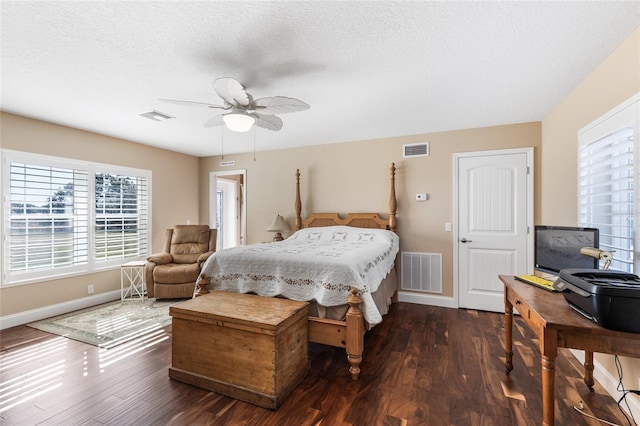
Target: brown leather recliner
[(173, 273)]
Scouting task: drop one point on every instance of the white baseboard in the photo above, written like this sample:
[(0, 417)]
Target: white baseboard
[(610, 384), (427, 299), (26, 317)]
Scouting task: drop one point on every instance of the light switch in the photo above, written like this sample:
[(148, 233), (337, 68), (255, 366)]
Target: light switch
[(421, 197), (447, 227)]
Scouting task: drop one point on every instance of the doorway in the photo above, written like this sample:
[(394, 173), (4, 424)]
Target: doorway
[(227, 207), (494, 218)]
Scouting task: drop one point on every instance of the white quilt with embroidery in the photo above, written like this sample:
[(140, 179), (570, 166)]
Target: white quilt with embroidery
[(321, 264)]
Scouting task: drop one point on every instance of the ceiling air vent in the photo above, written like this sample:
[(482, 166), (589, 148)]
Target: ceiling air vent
[(415, 150), (156, 115)]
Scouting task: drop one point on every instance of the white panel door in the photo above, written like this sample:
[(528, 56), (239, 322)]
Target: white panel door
[(493, 218)]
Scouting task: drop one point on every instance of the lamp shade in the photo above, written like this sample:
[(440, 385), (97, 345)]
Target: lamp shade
[(238, 121), (278, 225)]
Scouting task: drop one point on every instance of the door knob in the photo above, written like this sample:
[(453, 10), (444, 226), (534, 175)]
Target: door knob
[(464, 240)]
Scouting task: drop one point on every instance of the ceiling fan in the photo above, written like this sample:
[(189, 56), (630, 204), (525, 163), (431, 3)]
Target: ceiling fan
[(243, 110)]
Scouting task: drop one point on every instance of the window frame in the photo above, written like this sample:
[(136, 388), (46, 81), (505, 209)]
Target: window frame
[(7, 279)]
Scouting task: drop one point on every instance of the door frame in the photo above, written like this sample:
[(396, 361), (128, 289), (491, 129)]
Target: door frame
[(231, 202), (213, 176), (528, 151)]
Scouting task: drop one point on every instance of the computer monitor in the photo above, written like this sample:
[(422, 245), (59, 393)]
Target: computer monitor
[(558, 247)]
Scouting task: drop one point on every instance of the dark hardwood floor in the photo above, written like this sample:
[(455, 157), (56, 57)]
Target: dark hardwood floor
[(423, 366)]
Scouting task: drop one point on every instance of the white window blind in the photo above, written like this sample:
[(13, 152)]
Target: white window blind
[(48, 221), (121, 224), (606, 194), (63, 217), (607, 185)]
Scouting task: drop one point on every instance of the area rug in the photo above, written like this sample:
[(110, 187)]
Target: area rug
[(110, 324)]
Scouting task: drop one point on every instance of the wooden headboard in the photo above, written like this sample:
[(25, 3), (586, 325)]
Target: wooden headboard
[(361, 220)]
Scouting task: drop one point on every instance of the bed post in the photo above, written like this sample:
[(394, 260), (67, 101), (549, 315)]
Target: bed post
[(355, 333), (201, 286), (393, 204), (298, 204)]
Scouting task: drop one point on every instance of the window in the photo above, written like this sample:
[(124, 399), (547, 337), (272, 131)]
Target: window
[(608, 155), (64, 217), (121, 222), (48, 226)]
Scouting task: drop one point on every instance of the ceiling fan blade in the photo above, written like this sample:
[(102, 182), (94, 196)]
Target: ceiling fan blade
[(279, 105), (270, 122), (192, 103), (215, 121), (231, 91)]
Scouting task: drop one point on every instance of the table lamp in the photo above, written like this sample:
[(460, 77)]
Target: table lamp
[(598, 254), (278, 226)]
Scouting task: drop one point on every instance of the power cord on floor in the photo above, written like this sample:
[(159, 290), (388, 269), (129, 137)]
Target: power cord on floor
[(579, 410), (625, 392), (629, 417)]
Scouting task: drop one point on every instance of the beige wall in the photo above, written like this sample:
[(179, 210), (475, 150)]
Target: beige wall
[(354, 177), (174, 197), (611, 83)]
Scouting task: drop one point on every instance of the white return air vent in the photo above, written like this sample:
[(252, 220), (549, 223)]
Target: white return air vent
[(415, 150), (422, 272)]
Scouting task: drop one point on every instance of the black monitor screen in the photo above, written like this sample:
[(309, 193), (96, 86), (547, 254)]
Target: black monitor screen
[(558, 247)]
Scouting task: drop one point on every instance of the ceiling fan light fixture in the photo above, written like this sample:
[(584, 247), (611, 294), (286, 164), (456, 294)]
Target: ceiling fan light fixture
[(238, 121), (242, 111)]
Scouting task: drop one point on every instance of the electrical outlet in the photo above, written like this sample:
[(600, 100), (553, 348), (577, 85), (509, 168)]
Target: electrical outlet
[(90, 289)]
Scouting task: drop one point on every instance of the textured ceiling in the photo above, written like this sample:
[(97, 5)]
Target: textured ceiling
[(368, 69)]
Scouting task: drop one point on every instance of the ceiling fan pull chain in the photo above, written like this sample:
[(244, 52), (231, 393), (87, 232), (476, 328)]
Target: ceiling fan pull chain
[(222, 141), (254, 144)]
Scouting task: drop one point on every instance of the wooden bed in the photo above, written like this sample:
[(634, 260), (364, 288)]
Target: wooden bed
[(347, 333)]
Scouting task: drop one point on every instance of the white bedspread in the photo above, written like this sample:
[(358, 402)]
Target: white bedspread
[(321, 264)]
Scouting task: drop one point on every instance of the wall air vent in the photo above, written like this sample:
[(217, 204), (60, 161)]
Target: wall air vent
[(415, 150), (227, 163), (421, 272)]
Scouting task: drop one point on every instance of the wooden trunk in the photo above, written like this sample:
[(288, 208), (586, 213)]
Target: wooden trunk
[(244, 346)]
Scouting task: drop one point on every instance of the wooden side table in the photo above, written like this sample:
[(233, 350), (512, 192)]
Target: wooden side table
[(132, 284), (556, 325)]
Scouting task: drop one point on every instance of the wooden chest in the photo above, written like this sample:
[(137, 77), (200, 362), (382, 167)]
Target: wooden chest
[(244, 346)]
